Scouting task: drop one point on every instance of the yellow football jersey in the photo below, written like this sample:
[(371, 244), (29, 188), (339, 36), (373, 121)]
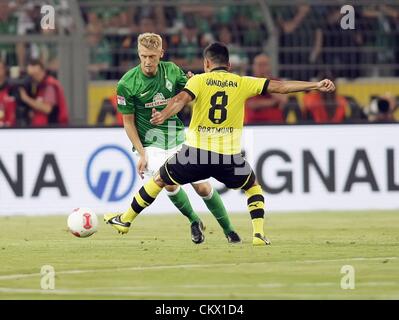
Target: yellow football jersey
[(218, 110)]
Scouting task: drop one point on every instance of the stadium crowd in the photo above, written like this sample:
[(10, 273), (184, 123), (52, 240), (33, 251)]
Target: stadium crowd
[(311, 45), (310, 37)]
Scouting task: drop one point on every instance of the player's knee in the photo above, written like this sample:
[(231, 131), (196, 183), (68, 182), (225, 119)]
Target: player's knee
[(158, 180), (251, 182), (254, 184), (171, 188), (203, 189)]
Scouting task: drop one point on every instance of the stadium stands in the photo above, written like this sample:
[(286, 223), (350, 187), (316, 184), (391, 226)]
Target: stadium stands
[(303, 41)]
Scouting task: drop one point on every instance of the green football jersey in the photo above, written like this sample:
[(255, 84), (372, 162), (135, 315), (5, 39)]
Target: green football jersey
[(138, 94)]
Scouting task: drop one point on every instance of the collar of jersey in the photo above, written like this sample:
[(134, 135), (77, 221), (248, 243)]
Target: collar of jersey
[(219, 69), (148, 77)]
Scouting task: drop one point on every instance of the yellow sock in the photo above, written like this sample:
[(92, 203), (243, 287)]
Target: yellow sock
[(152, 189), (256, 205), (257, 225), (129, 215), (141, 200)]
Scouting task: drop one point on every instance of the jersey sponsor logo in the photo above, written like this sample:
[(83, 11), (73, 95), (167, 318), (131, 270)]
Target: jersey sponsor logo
[(158, 100), (204, 129), (121, 100)]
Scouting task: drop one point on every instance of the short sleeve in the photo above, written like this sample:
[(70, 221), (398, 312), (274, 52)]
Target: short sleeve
[(50, 95), (124, 99), (193, 86), (254, 86), (181, 79)]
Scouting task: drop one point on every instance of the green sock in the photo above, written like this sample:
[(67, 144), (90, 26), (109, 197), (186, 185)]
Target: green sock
[(181, 201), (216, 206)]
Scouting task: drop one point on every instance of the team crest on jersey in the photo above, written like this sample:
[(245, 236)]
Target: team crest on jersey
[(159, 97), (169, 85)]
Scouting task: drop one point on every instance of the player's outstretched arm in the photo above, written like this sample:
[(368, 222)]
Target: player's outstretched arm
[(276, 86), (174, 106)]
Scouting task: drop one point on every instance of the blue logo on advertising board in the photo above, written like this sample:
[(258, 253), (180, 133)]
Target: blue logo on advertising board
[(110, 173)]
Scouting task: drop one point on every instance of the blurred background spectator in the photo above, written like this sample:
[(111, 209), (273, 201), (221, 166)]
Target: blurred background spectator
[(238, 58), (381, 109), (7, 101), (295, 39), (384, 20), (325, 107), (185, 49), (100, 57), (95, 42), (8, 26), (48, 104), (269, 107)]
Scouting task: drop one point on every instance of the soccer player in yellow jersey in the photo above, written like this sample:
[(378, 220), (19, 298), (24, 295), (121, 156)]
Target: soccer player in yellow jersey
[(213, 143)]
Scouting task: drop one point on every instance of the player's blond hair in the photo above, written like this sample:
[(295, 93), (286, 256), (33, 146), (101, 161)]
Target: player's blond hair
[(150, 41)]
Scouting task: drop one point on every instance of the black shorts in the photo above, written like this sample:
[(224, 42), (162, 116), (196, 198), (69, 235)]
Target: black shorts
[(191, 164)]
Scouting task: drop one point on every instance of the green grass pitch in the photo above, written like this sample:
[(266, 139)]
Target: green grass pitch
[(157, 259)]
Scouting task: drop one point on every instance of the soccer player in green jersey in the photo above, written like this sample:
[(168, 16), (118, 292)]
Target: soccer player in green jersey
[(151, 85)]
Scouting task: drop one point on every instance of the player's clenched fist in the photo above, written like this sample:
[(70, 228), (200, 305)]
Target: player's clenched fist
[(326, 86), (157, 117)]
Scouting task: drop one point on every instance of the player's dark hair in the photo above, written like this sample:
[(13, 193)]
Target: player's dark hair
[(36, 62), (218, 53)]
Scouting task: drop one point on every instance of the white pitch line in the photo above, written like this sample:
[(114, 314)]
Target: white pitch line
[(351, 259), (258, 285), (116, 291), (127, 294), (146, 268), (189, 266)]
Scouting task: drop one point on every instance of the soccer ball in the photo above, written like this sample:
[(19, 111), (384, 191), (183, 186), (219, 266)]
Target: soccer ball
[(82, 222)]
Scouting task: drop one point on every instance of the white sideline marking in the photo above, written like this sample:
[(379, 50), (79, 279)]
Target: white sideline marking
[(188, 266), (350, 259), (259, 285), (122, 291)]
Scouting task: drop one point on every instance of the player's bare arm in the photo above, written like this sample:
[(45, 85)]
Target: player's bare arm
[(131, 131), (276, 86), (174, 106)]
